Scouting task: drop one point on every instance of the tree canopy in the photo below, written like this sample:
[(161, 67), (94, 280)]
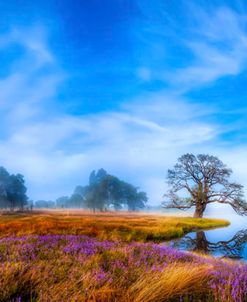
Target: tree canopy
[(107, 191), (205, 180), (12, 190), (104, 192)]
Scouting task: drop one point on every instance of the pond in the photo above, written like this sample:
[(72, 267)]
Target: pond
[(229, 241)]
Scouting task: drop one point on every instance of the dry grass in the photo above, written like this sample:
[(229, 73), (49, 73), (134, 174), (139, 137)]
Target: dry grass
[(111, 226), (132, 272), (77, 268), (175, 281)]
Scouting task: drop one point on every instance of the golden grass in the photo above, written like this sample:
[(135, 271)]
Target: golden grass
[(175, 281), (111, 226), (55, 275), (65, 284)]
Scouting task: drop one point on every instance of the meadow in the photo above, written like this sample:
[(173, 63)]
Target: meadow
[(106, 225), (56, 256)]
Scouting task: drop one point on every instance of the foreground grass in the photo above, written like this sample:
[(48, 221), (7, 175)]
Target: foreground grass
[(78, 268), (78, 256), (107, 226)]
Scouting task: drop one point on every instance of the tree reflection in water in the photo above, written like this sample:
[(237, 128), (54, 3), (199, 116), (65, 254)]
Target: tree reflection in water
[(232, 248)]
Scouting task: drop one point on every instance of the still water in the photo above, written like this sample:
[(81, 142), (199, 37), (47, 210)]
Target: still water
[(229, 241)]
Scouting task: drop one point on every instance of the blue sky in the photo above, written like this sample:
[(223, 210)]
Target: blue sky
[(127, 85)]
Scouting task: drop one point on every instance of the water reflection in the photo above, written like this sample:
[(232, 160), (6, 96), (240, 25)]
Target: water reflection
[(232, 248)]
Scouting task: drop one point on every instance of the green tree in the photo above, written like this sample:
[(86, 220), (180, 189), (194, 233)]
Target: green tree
[(96, 193), (16, 191), (105, 191), (80, 190), (95, 178), (94, 198), (76, 201), (134, 200), (4, 178), (62, 202)]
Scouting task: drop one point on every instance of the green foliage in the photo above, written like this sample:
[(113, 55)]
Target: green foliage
[(76, 201), (62, 202), (103, 192), (12, 190), (107, 191)]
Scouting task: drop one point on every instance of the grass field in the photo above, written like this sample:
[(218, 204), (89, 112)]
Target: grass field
[(110, 226), (49, 257)]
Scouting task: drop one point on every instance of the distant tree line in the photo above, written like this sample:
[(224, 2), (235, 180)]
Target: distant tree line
[(103, 192), (12, 190)]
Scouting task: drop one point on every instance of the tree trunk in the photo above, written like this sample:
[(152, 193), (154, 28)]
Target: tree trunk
[(200, 208), (201, 242)]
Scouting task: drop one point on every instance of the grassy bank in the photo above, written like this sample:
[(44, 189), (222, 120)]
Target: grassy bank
[(105, 226)]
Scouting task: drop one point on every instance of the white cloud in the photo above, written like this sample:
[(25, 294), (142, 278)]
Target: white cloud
[(202, 47), (219, 46), (26, 86), (34, 40), (130, 144), (56, 151)]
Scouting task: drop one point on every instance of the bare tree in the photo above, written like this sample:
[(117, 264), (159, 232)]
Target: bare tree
[(204, 179)]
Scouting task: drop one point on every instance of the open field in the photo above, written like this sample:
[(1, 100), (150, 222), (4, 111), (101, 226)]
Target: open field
[(110, 226), (52, 256)]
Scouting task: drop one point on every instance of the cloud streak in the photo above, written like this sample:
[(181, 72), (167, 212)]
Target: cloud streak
[(223, 51), (136, 140), (213, 41)]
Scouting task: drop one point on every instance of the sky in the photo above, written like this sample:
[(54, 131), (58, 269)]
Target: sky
[(124, 85)]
